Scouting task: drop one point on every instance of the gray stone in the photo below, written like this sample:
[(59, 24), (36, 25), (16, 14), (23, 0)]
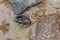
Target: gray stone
[(23, 20), (19, 6)]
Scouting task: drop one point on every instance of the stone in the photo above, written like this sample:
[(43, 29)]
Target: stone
[(47, 27), (19, 6)]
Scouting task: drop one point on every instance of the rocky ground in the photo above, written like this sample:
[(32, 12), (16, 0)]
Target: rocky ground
[(6, 13)]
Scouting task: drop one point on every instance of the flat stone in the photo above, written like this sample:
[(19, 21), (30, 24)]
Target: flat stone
[(19, 6)]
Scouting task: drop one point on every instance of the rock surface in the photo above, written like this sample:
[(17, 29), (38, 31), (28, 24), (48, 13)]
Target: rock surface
[(19, 6), (48, 28)]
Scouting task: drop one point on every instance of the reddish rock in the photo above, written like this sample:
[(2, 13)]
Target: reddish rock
[(48, 28)]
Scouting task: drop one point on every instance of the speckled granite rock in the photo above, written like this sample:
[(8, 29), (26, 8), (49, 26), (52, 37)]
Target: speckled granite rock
[(48, 28)]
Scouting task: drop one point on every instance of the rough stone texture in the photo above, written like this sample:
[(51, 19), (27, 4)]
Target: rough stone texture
[(19, 6), (48, 28), (8, 14)]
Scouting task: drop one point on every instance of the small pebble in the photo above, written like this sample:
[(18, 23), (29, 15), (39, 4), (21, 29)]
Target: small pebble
[(23, 20)]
